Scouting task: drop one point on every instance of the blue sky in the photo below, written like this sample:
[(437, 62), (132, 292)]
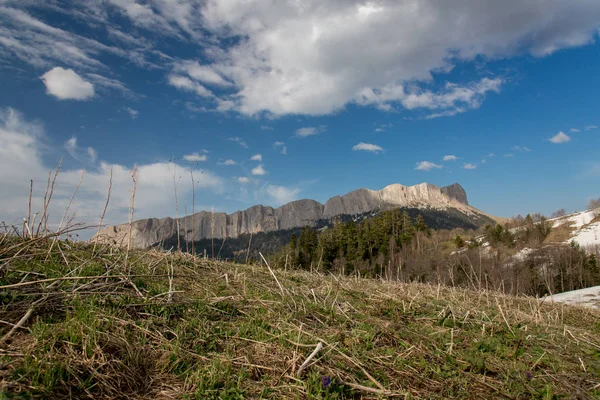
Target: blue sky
[(332, 96)]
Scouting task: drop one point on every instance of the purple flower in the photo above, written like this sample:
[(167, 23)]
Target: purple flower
[(326, 381), (529, 375)]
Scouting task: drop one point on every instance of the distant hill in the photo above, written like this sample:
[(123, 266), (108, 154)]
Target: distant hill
[(445, 207)]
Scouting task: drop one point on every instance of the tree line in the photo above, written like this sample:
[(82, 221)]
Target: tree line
[(392, 245)]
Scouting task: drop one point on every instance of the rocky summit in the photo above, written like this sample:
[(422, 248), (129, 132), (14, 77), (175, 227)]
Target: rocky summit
[(203, 225)]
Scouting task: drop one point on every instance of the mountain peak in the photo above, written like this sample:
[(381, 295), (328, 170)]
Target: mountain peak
[(456, 192)]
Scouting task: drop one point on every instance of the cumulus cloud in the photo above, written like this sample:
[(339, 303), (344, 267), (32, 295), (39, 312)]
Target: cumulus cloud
[(449, 158), (559, 138), (243, 179), (303, 54), (195, 157), (22, 155), (310, 131), (259, 170), (65, 84), (239, 141), (229, 162), (469, 166), (367, 147), (427, 166), (256, 157), (282, 194)]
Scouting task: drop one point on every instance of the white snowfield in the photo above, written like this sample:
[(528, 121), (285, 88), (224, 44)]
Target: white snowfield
[(586, 233), (577, 219), (588, 297)]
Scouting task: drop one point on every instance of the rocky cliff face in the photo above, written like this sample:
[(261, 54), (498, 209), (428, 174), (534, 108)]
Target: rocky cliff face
[(203, 225)]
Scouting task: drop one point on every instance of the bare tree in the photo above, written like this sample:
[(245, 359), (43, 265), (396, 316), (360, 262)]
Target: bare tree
[(559, 213), (594, 206)]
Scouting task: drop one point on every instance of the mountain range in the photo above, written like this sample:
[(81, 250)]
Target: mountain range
[(445, 207)]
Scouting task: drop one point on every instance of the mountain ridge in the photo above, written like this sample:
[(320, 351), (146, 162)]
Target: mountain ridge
[(219, 225)]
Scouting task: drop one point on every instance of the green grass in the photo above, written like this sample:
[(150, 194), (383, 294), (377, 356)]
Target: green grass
[(229, 333)]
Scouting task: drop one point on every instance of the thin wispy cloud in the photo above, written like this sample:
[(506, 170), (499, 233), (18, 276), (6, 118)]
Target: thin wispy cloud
[(310, 131), (256, 157), (87, 156), (373, 148), (449, 157), (281, 146), (520, 148), (239, 141), (574, 130), (132, 113), (195, 157), (590, 127), (469, 166), (427, 166), (282, 194), (560, 138), (228, 162)]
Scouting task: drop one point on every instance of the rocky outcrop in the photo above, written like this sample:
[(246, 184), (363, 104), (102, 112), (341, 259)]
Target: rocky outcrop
[(203, 225), (456, 192)]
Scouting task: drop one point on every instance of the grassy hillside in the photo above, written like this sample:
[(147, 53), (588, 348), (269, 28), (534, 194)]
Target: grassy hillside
[(110, 324)]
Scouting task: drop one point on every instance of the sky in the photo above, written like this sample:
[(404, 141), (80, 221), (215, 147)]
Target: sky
[(257, 101)]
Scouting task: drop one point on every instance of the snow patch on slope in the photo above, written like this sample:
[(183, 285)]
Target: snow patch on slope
[(588, 297)]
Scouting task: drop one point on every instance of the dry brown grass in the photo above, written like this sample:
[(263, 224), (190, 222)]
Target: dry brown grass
[(235, 331)]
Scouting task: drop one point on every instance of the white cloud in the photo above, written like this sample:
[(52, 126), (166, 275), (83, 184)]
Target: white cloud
[(521, 148), (185, 83), (469, 166), (483, 161), (266, 128), (589, 127), (367, 147), (22, 154), (92, 154), (229, 162), (310, 131), (86, 156), (195, 157), (259, 170), (243, 179), (491, 155), (449, 158), (304, 53), (453, 98), (256, 157), (559, 138), (574, 130), (201, 73), (282, 194), (65, 84), (281, 146), (132, 113), (427, 166), (507, 155), (239, 141)]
